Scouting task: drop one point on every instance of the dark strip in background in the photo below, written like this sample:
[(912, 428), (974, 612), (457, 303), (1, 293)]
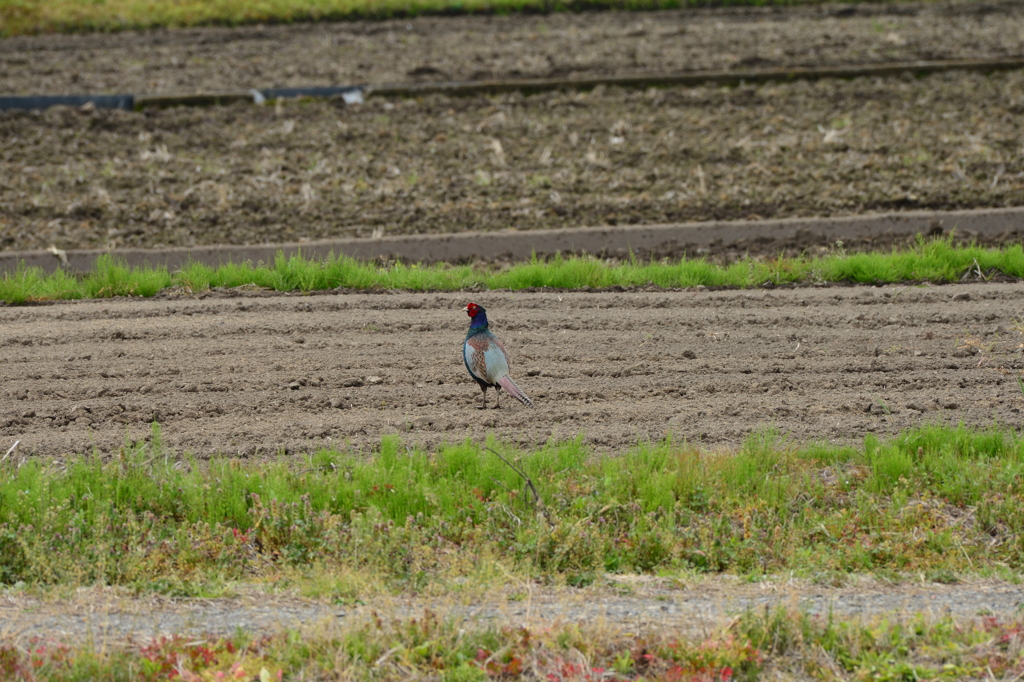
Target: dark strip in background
[(348, 92), (46, 101)]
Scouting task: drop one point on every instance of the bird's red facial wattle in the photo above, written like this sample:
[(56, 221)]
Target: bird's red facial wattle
[(472, 309)]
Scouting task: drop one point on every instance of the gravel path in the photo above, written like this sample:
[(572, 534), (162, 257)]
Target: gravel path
[(637, 604)]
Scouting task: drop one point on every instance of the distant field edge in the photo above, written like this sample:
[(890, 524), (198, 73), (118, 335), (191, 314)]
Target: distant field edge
[(990, 226), (28, 17)]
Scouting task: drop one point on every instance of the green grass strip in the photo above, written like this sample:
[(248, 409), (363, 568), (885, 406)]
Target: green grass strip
[(937, 260), (407, 518), (18, 17)]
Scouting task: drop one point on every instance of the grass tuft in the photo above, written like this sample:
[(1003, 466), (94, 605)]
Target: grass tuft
[(936, 260)]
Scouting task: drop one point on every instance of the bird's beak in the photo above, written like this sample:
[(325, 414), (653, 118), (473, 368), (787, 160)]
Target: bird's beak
[(466, 309)]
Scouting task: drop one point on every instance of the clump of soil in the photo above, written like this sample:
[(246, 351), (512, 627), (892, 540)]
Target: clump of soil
[(317, 169)]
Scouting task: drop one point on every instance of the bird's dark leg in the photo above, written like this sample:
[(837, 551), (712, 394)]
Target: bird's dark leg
[(484, 389), (497, 397)]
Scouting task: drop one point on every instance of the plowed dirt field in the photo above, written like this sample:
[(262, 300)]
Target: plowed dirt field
[(249, 376), (292, 172), (460, 48)]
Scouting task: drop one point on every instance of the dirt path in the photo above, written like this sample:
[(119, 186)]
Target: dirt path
[(633, 604), (251, 376)]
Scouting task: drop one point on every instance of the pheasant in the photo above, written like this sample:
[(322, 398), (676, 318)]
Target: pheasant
[(486, 360)]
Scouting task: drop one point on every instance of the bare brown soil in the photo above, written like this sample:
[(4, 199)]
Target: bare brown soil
[(317, 170), (255, 376), (486, 47), (245, 174)]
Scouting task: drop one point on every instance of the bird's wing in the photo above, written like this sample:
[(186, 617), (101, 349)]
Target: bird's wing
[(496, 340), (485, 357), (497, 360), (475, 355)]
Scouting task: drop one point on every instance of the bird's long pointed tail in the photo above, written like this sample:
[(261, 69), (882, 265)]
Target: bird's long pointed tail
[(506, 383)]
